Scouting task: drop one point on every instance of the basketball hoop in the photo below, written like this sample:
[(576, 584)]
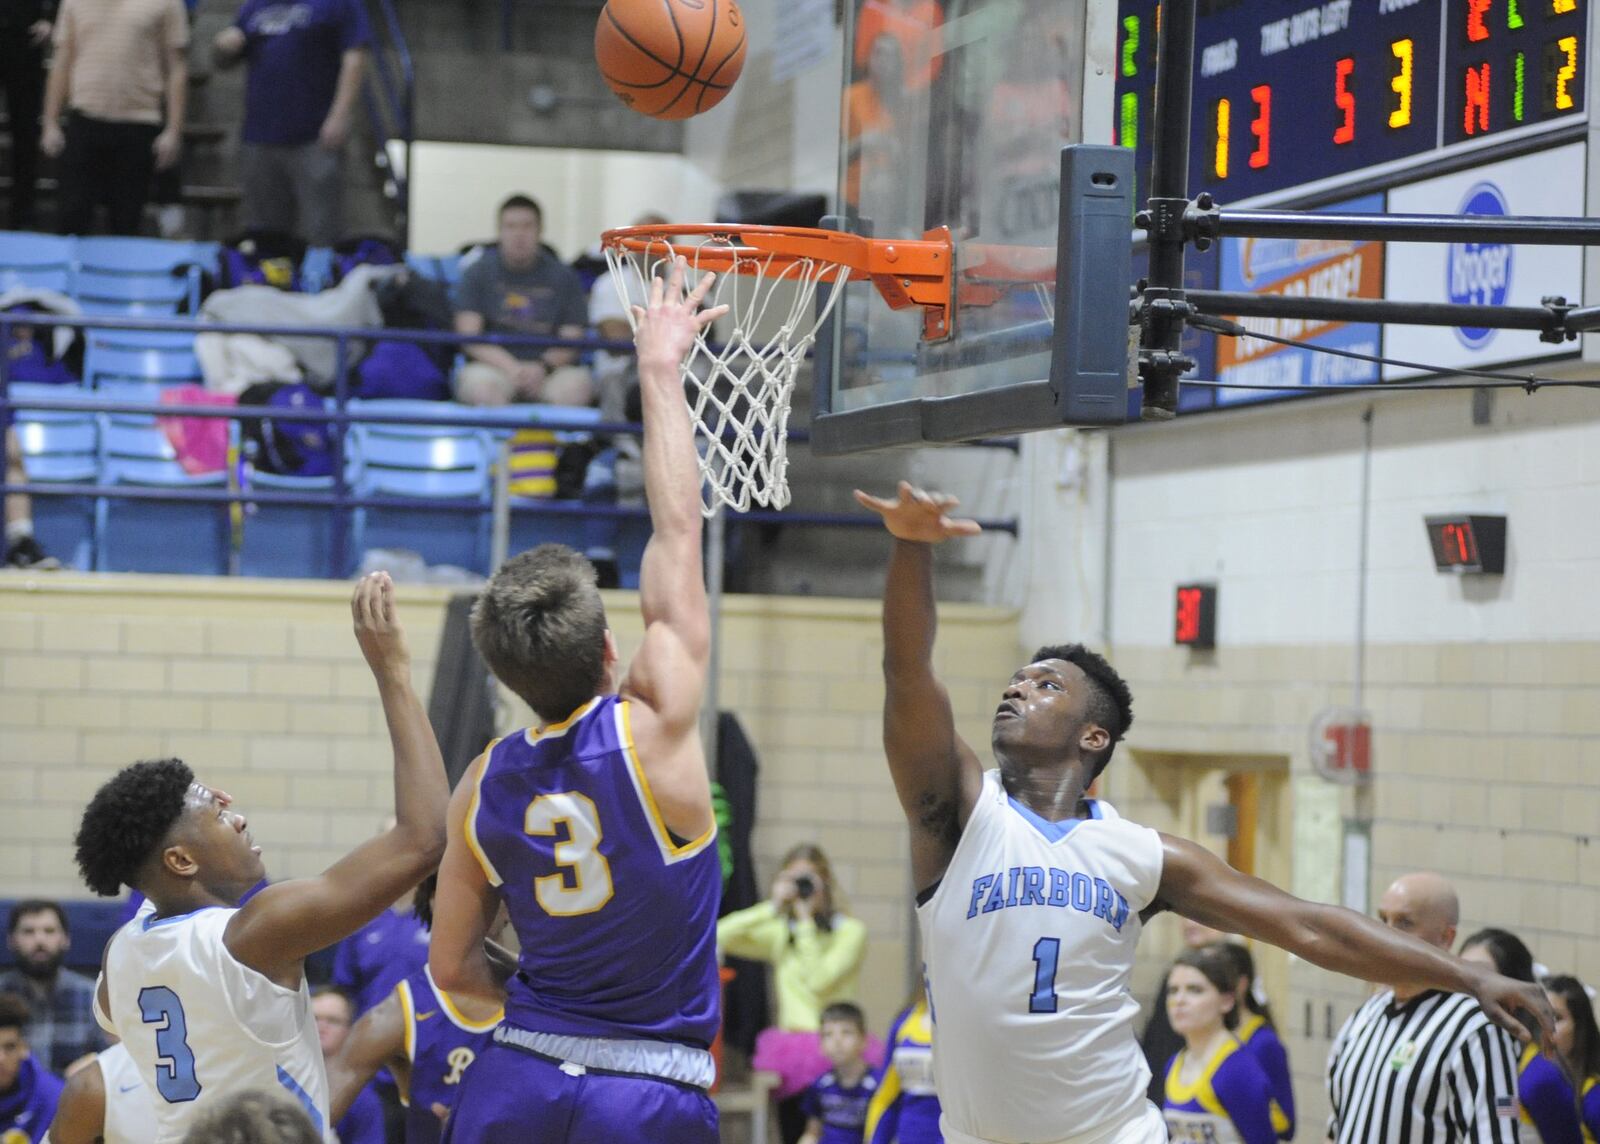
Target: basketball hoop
[(739, 394)]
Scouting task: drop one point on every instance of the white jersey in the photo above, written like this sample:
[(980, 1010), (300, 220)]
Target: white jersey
[(128, 1118), (1029, 942), (200, 1026)]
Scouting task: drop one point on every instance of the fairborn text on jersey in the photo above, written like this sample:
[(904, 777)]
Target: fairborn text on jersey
[(1025, 886)]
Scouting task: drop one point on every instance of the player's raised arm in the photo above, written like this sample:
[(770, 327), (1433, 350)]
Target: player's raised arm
[(464, 906), (935, 773), (278, 927), (1199, 885), (667, 675), (376, 1041)]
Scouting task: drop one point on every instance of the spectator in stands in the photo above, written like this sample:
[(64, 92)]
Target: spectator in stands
[(22, 550), (816, 951), (24, 31), (1159, 1041), (836, 1103), (914, 25), (305, 63), (367, 966), (613, 373), (63, 1029), (254, 1118), (1548, 1104), (28, 1091), (1577, 1039), (119, 64), (517, 288), (334, 1010)]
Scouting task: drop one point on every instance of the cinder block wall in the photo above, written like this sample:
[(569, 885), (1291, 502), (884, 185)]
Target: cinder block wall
[(260, 686)]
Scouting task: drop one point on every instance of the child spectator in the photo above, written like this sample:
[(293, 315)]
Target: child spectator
[(836, 1103), (28, 1092), (905, 1109)]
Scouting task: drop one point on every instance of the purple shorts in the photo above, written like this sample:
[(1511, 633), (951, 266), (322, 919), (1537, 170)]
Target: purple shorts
[(509, 1096)]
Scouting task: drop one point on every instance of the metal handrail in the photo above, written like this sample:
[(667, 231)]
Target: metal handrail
[(340, 497)]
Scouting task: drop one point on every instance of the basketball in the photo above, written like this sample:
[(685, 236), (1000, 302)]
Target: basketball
[(670, 59)]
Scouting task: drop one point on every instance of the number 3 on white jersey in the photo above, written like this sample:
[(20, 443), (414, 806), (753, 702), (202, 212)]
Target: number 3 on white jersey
[(578, 855)]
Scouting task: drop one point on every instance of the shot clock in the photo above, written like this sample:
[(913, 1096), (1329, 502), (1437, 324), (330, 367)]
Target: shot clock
[(1290, 92)]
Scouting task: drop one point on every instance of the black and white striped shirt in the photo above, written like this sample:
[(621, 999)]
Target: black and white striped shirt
[(1434, 1070)]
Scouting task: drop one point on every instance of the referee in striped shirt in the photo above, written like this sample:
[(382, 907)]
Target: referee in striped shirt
[(1421, 1066)]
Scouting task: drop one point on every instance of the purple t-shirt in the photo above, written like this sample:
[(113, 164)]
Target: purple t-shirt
[(378, 956), (29, 1107), (294, 49)]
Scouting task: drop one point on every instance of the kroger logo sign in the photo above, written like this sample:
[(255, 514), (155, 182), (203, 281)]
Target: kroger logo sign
[(1479, 273)]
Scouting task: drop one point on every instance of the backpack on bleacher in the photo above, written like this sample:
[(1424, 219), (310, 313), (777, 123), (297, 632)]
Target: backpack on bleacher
[(30, 351), (364, 250), (280, 443), (261, 258)]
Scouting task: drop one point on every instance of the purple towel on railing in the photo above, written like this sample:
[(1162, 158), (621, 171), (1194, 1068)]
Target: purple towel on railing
[(201, 443)]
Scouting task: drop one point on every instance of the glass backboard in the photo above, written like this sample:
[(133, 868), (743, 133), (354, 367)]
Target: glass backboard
[(955, 115)]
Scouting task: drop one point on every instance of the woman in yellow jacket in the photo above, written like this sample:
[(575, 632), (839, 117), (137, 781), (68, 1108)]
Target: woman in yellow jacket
[(815, 952)]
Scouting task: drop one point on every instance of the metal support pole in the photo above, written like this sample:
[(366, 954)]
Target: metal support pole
[(1161, 361), (1243, 305), (340, 542), (500, 509), (710, 712)]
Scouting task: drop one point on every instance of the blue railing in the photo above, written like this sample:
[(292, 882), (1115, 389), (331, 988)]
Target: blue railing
[(340, 496)]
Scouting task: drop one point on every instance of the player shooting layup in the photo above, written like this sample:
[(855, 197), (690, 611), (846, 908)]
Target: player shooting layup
[(1031, 897), (596, 826), (210, 997)]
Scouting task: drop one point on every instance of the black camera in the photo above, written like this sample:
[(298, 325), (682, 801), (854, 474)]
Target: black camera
[(805, 885)]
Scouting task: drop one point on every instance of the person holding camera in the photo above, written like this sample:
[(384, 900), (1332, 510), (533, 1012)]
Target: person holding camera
[(815, 951)]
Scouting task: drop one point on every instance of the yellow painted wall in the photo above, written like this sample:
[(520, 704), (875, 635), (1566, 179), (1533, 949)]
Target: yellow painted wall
[(260, 686)]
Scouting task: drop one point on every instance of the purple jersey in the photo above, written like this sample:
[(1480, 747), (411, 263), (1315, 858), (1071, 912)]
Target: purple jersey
[(441, 1042), (616, 917), (371, 962)]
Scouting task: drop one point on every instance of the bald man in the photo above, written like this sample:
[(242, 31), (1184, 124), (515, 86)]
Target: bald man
[(1421, 1064)]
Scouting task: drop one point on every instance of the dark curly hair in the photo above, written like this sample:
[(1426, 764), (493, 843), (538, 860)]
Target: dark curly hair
[(1110, 699), (14, 1013), (126, 819), (422, 899)]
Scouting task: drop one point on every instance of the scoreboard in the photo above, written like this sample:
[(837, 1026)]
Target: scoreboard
[(1291, 92)]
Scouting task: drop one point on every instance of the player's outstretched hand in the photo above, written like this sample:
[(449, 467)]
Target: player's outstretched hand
[(918, 516), (378, 630), (1517, 1007), (664, 329)]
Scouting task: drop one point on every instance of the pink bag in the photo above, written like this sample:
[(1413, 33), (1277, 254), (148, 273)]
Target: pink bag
[(201, 443)]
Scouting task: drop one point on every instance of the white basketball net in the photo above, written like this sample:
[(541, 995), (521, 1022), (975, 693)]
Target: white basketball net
[(739, 394)]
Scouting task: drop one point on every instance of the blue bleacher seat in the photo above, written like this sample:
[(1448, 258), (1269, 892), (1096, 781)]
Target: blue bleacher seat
[(150, 535), (282, 541), (139, 275), (43, 261), (60, 447), (141, 356), (423, 461)]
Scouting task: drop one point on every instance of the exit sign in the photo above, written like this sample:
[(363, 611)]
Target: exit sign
[(1195, 616)]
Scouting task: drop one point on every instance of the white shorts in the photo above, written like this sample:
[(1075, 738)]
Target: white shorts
[(1144, 1127)]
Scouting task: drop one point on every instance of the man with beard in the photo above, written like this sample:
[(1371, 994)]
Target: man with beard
[(63, 1029)]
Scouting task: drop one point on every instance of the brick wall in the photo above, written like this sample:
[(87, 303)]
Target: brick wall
[(260, 686)]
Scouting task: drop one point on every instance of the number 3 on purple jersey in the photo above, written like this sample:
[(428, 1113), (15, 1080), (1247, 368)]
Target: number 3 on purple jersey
[(578, 855)]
